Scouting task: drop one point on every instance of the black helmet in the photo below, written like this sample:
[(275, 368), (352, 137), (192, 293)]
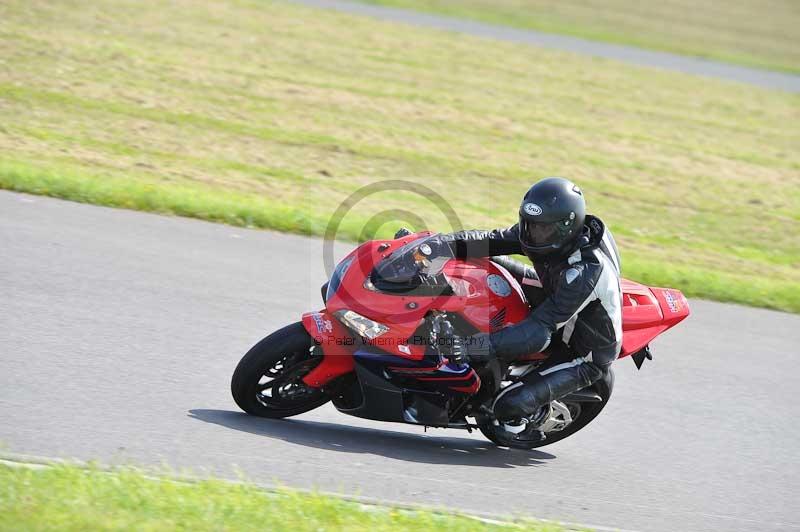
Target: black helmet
[(551, 217)]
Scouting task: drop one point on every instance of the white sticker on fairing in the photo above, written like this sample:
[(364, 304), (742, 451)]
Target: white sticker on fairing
[(404, 349), (322, 324), (571, 275), (532, 209), (672, 301), (498, 285)]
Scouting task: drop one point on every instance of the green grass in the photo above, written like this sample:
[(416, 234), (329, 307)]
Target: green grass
[(269, 115), (69, 498), (755, 33)]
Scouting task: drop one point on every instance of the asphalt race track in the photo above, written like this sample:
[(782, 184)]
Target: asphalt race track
[(119, 331), (629, 54)]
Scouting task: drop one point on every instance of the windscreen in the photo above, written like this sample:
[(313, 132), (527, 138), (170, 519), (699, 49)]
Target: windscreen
[(414, 263)]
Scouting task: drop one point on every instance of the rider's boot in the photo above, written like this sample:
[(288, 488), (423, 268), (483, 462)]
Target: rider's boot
[(525, 398), (524, 431)]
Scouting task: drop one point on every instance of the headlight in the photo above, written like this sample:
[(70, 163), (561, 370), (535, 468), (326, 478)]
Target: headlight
[(360, 325)]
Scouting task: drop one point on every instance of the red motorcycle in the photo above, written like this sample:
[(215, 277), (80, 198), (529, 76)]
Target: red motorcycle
[(388, 344)]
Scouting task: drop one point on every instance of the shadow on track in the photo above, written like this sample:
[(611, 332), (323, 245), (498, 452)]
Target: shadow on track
[(391, 444)]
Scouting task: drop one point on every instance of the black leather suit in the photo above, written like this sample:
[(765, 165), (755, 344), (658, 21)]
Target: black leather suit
[(577, 314)]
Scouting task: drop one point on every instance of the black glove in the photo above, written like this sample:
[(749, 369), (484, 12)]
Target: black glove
[(478, 348)]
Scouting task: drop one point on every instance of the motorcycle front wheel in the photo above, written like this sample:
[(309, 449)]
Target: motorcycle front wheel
[(268, 380), (582, 414)]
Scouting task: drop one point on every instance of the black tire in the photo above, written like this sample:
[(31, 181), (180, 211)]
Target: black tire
[(267, 382), (588, 411)]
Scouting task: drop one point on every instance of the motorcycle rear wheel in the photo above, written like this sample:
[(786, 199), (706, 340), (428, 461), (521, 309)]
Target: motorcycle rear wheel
[(586, 413), (268, 382)]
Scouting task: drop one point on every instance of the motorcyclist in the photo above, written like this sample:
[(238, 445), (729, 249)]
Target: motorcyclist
[(577, 311)]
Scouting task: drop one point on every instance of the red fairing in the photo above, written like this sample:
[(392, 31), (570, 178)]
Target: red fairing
[(390, 310), (647, 312), (473, 299), (484, 308), (326, 330), (485, 295)]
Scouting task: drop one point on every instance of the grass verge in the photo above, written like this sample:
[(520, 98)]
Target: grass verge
[(67, 497), (752, 33), (270, 115)]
